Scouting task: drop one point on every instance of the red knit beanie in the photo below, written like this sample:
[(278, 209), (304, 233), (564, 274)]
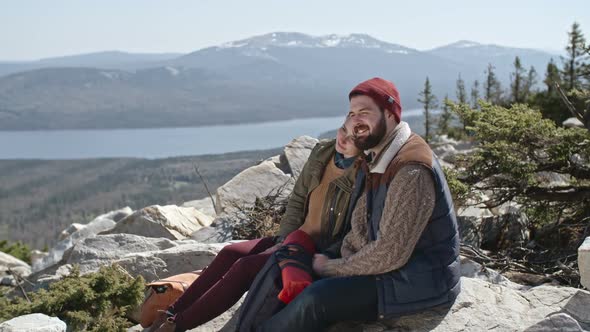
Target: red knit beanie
[(383, 92)]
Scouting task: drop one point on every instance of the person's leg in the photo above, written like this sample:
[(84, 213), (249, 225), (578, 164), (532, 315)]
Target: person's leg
[(325, 302), (218, 267), (225, 293)]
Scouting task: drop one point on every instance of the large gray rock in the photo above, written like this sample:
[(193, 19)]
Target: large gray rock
[(76, 233), (170, 221), (256, 181), (573, 123), (474, 270), (151, 258), (297, 152), (9, 265), (482, 306), (68, 231), (492, 228), (447, 149), (584, 262), (469, 220), (204, 205), (552, 179), (14, 264), (558, 322), (503, 231), (33, 323)]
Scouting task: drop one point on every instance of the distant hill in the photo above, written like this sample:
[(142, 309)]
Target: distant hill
[(275, 76), (107, 59), (39, 198)]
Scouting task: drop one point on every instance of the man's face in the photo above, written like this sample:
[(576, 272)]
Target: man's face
[(366, 122)]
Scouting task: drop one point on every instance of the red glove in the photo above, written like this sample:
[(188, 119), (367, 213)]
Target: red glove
[(296, 274)]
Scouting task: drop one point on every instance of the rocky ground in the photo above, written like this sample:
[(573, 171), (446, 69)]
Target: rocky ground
[(159, 241)]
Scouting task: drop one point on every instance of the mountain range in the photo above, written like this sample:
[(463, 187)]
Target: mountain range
[(275, 76)]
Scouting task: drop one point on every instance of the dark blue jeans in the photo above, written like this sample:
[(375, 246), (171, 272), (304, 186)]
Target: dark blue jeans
[(325, 302)]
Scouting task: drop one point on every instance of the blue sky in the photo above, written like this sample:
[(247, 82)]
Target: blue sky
[(37, 29)]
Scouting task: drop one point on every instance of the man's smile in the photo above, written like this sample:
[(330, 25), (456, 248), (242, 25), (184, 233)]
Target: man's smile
[(360, 130)]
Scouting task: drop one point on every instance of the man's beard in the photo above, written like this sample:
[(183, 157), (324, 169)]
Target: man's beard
[(374, 138)]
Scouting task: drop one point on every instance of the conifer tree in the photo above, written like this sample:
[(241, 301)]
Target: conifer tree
[(531, 81), (461, 93), (475, 94), (517, 82), (428, 100), (552, 77), (446, 117), (492, 86), (574, 66)]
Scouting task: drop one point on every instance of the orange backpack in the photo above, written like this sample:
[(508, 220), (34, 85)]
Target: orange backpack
[(162, 293)]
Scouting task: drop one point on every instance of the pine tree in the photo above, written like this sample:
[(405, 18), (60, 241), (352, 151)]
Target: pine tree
[(517, 82), (475, 94), (529, 84), (492, 86), (446, 117), (461, 94), (574, 67), (552, 77), (428, 100)]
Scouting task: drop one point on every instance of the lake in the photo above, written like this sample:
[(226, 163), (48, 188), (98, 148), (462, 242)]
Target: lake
[(161, 142)]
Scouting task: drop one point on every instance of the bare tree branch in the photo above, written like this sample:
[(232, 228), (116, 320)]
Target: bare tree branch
[(206, 187)]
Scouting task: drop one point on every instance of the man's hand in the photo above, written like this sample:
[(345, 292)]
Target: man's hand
[(319, 263)]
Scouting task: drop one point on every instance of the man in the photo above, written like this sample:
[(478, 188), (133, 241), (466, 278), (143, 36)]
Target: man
[(402, 253)]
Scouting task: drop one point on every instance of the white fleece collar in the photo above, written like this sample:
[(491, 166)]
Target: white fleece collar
[(401, 134)]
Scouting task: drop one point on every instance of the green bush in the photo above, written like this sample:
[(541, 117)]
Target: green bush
[(17, 249), (93, 302), (516, 146)]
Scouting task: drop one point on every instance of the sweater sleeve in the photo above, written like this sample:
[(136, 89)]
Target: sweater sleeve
[(408, 206)]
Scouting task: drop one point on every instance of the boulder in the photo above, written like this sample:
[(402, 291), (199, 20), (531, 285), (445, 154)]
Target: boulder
[(33, 323), (552, 179), (573, 123), (170, 221), (297, 152), (445, 152), (281, 163), (71, 229), (469, 220), (558, 322), (503, 231), (213, 234), (14, 264), (584, 262), (483, 306), (118, 215), (256, 181), (76, 233), (474, 270), (152, 258), (9, 265), (54, 255), (204, 206)]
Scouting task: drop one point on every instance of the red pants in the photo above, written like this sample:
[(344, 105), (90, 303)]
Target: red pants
[(222, 283)]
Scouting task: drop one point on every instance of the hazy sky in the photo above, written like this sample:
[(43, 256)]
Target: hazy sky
[(37, 29)]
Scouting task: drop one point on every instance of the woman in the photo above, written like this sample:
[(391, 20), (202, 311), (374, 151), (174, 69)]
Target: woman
[(317, 206)]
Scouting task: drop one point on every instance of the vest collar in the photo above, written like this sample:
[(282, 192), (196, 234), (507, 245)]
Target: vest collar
[(400, 136)]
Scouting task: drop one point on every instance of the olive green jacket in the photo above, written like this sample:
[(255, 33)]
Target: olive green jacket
[(333, 226)]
